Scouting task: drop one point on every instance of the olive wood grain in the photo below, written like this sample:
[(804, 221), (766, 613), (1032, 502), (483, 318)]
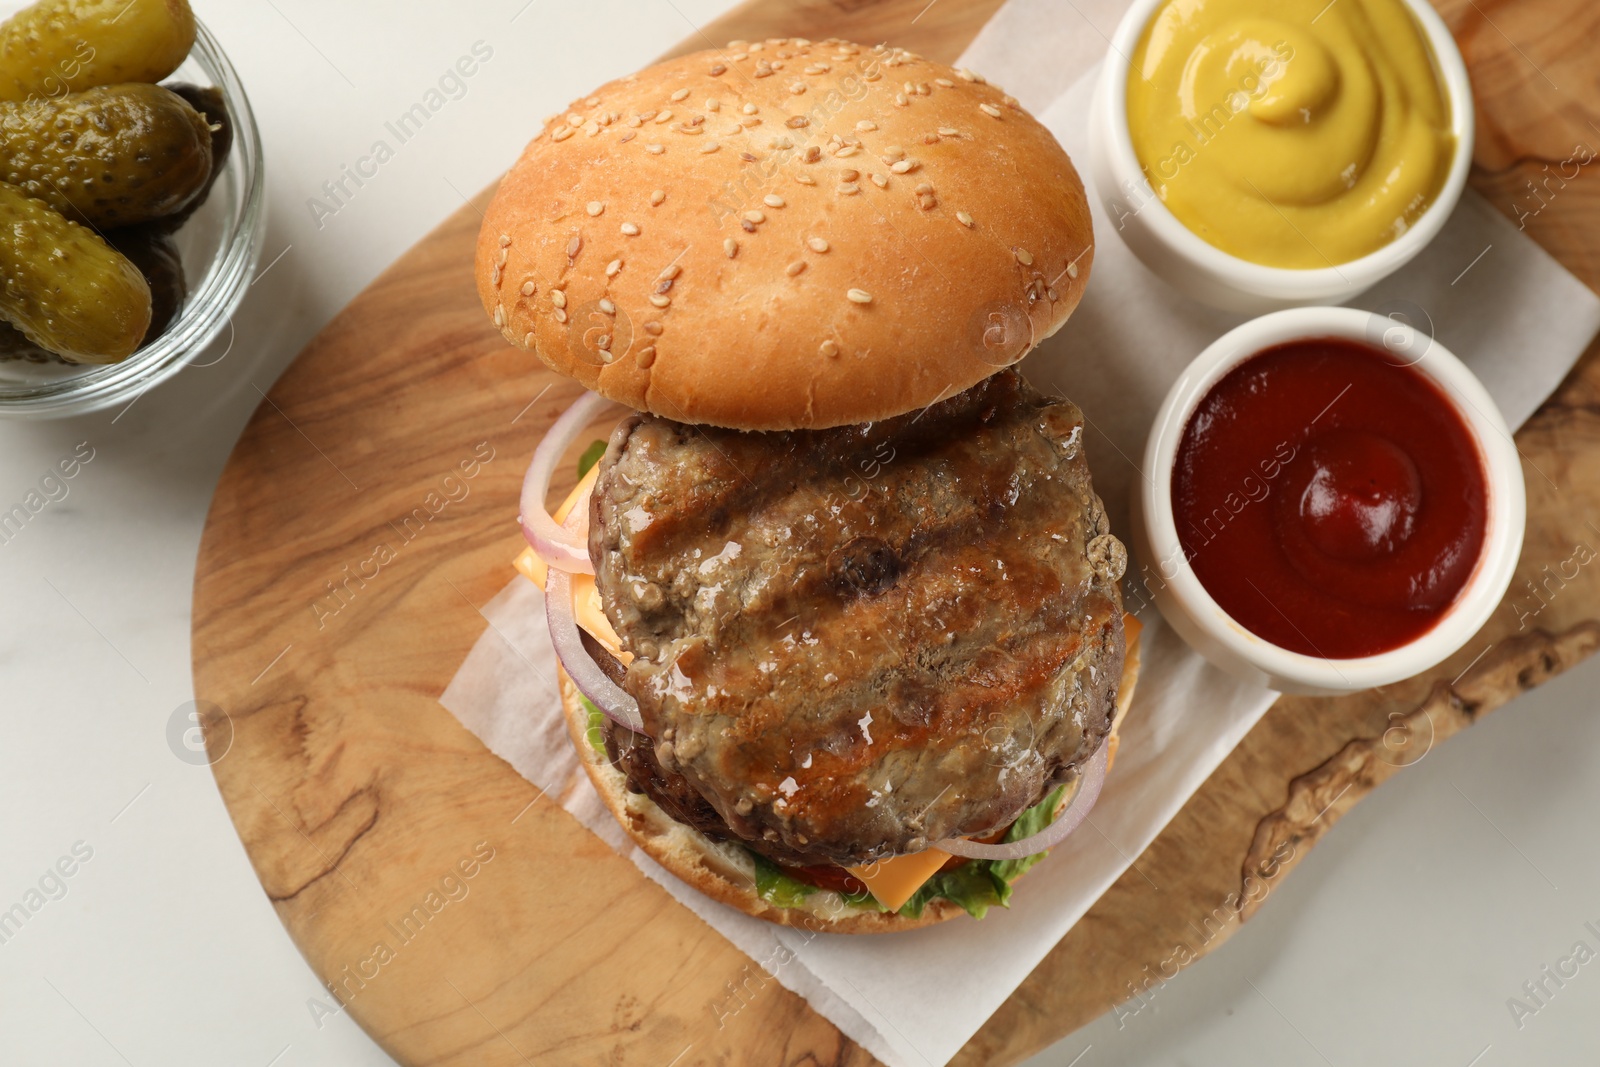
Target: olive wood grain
[(366, 515)]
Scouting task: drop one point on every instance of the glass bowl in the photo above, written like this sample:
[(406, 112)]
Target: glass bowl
[(219, 246)]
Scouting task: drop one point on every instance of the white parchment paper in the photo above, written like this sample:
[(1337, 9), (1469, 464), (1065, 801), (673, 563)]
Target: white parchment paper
[(1514, 315)]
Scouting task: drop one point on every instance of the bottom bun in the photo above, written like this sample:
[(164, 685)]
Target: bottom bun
[(725, 871)]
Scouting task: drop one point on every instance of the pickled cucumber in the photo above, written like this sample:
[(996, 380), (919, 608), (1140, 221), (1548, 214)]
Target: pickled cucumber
[(112, 156), (213, 108), (67, 290), (152, 249), (63, 46), (155, 253)]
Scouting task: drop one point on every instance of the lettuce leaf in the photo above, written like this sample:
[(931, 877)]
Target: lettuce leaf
[(590, 457), (969, 885), (596, 730), (1028, 823), (775, 887)]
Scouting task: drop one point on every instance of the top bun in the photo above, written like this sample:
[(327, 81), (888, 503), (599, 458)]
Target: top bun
[(786, 235)]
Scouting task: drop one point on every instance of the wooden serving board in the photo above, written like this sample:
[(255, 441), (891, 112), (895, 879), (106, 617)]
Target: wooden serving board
[(366, 515)]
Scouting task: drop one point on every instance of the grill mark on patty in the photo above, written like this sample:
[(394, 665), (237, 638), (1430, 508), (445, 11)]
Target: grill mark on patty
[(974, 523)]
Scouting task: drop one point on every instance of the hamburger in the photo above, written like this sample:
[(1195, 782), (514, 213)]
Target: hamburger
[(837, 606)]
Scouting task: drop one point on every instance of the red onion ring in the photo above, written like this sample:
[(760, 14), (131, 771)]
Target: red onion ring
[(1094, 776), (558, 546), (591, 681)]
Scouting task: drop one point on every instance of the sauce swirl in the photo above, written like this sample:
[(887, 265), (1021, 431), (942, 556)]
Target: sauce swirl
[(1329, 500), (1298, 134)]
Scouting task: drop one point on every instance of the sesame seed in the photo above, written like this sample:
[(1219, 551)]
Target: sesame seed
[(866, 127), (659, 300), (828, 349), (923, 189), (574, 245), (946, 82), (593, 101), (849, 175), (657, 197), (629, 230), (528, 288), (795, 268), (625, 138), (718, 70), (653, 328), (731, 247), (966, 75), (949, 131), (562, 134), (635, 120), (848, 188), (494, 277), (665, 116), (654, 149), (561, 316), (603, 342), (527, 340), (904, 166), (607, 306), (500, 259), (817, 244), (893, 152), (900, 100), (596, 207), (499, 315), (846, 152), (964, 218), (797, 122), (813, 153), (505, 239), (593, 131), (681, 94), (859, 296), (1008, 100), (749, 123), (709, 147), (880, 181), (747, 226), (990, 110), (1072, 269), (1024, 257), (772, 200), (755, 216), (645, 356), (805, 179), (574, 120), (558, 298), (750, 109), (713, 104), (613, 267)]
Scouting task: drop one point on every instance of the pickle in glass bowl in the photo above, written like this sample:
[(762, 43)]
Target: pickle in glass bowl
[(62, 46)]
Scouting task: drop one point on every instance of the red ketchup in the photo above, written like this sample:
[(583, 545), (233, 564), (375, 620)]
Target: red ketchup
[(1330, 501)]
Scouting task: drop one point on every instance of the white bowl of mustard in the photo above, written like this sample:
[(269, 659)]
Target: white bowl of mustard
[(1278, 155)]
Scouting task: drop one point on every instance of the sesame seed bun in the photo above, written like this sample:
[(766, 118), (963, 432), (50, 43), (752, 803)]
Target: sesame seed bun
[(786, 234), (723, 871)]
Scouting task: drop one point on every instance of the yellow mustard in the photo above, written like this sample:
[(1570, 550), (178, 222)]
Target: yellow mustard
[(1297, 133)]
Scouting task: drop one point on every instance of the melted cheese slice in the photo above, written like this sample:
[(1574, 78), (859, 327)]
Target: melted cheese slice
[(896, 880), (586, 606), (891, 882)]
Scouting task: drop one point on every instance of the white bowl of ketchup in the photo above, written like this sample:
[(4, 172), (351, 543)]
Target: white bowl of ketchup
[(1332, 502)]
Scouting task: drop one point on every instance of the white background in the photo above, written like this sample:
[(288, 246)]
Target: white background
[(1398, 940)]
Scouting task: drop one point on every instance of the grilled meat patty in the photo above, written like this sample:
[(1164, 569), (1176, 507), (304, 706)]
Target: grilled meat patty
[(852, 643)]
